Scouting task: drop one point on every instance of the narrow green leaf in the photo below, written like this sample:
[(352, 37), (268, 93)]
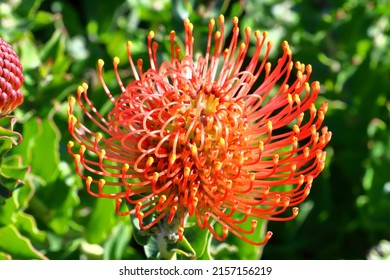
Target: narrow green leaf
[(50, 49), (184, 249), (42, 18), (117, 243), (28, 8)]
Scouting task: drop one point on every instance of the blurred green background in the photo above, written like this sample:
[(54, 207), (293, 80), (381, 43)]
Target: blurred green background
[(346, 216)]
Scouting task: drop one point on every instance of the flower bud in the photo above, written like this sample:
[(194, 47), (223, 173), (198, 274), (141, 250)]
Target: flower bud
[(11, 79)]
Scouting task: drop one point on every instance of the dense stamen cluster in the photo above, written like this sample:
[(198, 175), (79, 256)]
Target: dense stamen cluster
[(11, 79), (194, 136)]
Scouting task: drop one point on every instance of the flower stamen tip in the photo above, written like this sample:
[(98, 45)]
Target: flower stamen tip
[(72, 101), (100, 63), (88, 180), (72, 119)]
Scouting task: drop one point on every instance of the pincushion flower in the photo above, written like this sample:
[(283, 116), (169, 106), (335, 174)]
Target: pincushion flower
[(11, 79), (212, 137)]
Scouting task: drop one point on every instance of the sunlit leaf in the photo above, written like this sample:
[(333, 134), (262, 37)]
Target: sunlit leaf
[(41, 137), (8, 212), (4, 256), (27, 225), (16, 245)]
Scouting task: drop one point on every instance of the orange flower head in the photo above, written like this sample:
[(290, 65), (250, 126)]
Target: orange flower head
[(11, 79), (214, 137)]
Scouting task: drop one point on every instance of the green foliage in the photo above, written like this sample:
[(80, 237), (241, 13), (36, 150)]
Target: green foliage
[(19, 247), (59, 42), (11, 173)]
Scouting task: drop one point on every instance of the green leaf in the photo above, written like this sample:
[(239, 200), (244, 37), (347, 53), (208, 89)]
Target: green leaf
[(41, 138), (206, 253), (53, 46), (7, 187), (12, 167), (7, 211), (16, 245), (4, 193), (62, 213), (12, 176), (18, 201), (54, 204), (27, 225), (46, 143), (29, 56), (101, 221), (8, 137), (24, 195), (151, 249), (138, 234), (112, 41), (184, 249), (199, 240), (117, 243), (28, 8), (42, 18), (4, 256), (91, 251)]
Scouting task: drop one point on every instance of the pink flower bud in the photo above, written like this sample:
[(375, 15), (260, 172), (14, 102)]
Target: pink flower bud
[(11, 79)]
